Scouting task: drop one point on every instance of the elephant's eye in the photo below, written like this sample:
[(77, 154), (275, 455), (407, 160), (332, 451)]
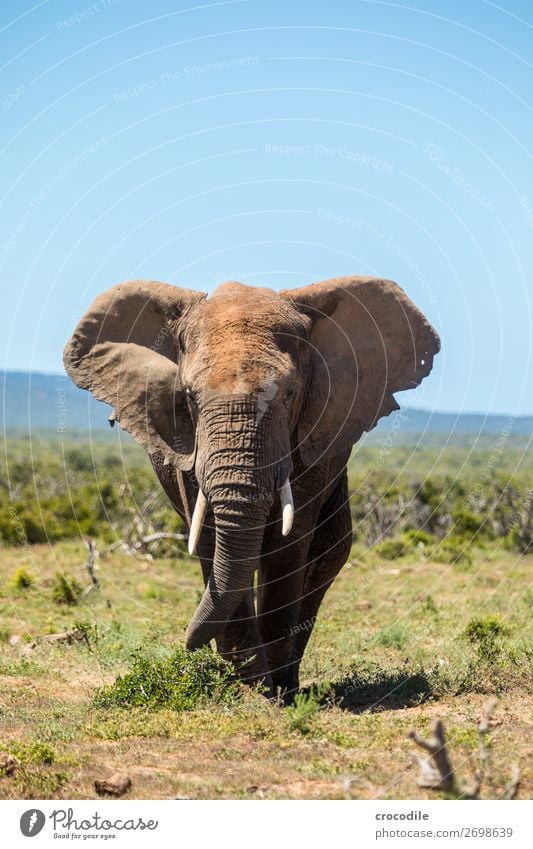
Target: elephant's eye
[(190, 395)]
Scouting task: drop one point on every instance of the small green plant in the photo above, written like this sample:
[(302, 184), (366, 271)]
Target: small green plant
[(485, 634), (182, 681), (393, 637), (391, 549), (416, 537), (67, 590), (428, 605), (305, 706), (21, 580), (453, 550), (32, 752)]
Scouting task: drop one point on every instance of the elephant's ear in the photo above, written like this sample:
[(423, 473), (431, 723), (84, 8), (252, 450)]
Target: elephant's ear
[(123, 351), (368, 340)]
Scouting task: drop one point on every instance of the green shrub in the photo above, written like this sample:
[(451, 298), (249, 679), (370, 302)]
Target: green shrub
[(390, 549), (393, 637), (415, 537), (466, 521), (31, 752), (428, 605), (305, 706), (452, 550), (182, 681), (21, 580), (486, 635), (67, 590)]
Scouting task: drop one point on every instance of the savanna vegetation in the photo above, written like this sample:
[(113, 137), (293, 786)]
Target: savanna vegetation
[(431, 617)]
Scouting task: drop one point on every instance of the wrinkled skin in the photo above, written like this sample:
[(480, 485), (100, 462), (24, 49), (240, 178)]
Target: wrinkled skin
[(234, 394)]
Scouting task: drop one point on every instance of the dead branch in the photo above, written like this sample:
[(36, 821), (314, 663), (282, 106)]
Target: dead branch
[(513, 786), (161, 535), (436, 771), (140, 535), (69, 637), (91, 561)]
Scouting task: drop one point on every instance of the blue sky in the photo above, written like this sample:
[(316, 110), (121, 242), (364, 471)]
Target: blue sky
[(277, 144)]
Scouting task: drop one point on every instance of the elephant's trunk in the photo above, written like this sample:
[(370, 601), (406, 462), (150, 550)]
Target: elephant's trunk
[(237, 552), (239, 467)]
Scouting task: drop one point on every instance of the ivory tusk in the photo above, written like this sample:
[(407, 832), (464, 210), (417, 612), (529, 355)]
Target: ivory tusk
[(287, 508), (197, 521)]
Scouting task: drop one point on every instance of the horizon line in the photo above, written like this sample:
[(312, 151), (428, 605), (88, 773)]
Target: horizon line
[(428, 410)]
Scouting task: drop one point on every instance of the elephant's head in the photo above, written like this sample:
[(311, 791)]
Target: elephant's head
[(231, 386)]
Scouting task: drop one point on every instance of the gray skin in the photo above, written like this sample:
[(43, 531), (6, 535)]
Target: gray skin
[(233, 395)]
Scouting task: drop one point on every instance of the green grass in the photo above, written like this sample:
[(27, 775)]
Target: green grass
[(397, 642)]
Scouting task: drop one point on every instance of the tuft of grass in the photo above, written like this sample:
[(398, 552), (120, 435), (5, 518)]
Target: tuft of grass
[(391, 549), (453, 550), (429, 606), (182, 681), (305, 707), (393, 636), (486, 629), (486, 635), (31, 752), (67, 590), (23, 666), (21, 580)]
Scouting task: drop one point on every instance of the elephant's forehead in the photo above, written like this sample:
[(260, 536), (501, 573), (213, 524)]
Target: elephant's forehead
[(237, 307)]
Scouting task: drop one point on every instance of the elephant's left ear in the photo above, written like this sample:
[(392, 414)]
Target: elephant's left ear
[(123, 351), (368, 340)]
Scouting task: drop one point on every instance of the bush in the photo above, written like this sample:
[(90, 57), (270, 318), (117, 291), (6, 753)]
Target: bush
[(485, 634), (66, 590), (32, 752), (182, 681), (390, 549), (21, 580), (454, 551), (393, 637), (467, 522), (305, 706), (416, 537)]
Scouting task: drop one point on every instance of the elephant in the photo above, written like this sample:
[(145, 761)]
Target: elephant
[(248, 402)]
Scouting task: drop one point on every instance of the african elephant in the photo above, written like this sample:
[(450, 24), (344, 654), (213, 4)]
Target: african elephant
[(248, 403)]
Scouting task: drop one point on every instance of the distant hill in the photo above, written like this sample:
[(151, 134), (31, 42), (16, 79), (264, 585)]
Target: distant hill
[(51, 402)]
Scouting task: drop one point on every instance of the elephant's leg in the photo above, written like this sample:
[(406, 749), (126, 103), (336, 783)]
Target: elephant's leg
[(329, 551)]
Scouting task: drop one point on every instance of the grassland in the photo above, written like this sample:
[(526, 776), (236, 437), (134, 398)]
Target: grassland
[(430, 618)]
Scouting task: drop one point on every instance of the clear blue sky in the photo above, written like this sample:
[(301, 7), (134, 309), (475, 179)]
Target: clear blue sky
[(277, 143)]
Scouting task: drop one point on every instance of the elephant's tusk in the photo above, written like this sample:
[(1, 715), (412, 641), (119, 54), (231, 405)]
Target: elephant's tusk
[(197, 521), (287, 508)]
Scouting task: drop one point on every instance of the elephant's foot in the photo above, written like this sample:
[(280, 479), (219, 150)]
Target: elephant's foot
[(286, 683)]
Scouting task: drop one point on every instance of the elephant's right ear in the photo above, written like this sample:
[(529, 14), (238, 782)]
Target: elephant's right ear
[(123, 351)]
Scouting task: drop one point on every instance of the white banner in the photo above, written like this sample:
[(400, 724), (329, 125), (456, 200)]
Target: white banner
[(268, 824)]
